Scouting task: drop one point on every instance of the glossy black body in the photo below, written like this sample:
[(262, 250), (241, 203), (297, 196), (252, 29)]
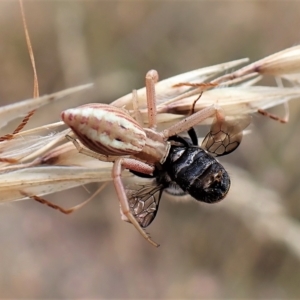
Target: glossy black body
[(188, 169), (196, 172)]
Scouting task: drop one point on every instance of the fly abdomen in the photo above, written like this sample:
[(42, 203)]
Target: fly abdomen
[(198, 173)]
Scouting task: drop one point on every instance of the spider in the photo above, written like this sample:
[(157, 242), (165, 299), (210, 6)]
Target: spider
[(110, 134)]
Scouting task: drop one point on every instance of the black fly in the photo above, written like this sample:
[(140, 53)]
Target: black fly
[(189, 169)]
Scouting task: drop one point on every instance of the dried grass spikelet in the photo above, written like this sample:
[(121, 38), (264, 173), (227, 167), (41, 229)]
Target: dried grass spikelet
[(36, 162), (236, 92), (40, 161)]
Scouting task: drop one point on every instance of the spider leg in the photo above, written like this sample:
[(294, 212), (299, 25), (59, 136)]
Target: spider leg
[(89, 152), (137, 166), (151, 80), (193, 120)]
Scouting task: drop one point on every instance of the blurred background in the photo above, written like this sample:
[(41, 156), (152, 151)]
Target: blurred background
[(245, 247)]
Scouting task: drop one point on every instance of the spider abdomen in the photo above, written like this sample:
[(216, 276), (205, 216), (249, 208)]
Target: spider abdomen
[(105, 129)]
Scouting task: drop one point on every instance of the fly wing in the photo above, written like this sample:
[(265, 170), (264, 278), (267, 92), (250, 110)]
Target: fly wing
[(143, 201), (225, 135)]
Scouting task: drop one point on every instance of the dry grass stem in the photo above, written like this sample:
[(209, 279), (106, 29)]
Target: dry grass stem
[(40, 161), (31, 148)]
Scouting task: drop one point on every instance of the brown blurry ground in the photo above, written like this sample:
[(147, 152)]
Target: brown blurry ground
[(206, 252)]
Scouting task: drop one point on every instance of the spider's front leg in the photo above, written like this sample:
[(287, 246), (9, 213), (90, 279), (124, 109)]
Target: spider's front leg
[(224, 135), (194, 119), (138, 166), (151, 80)]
